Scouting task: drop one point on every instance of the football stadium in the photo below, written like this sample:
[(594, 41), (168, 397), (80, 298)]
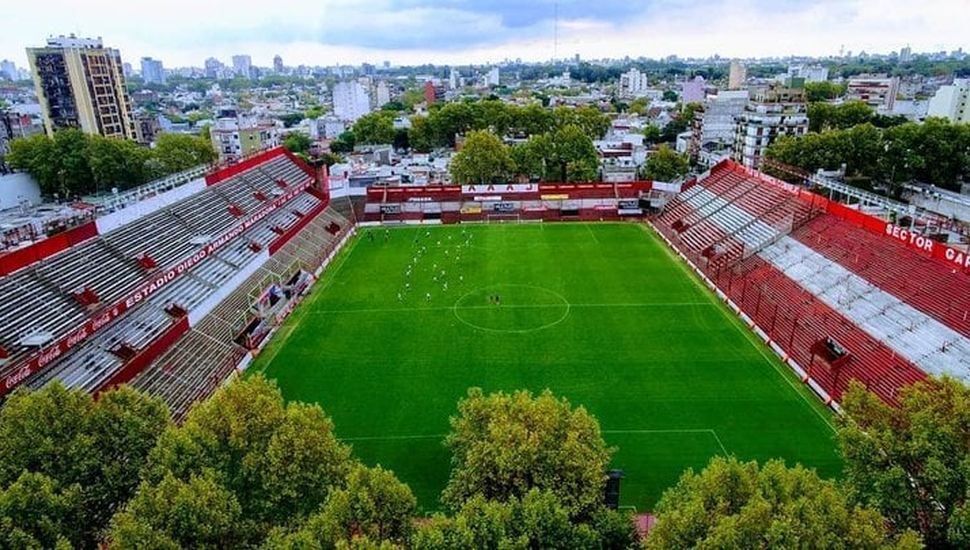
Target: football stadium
[(722, 316)]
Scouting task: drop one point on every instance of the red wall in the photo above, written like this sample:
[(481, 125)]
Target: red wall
[(296, 228), (148, 354)]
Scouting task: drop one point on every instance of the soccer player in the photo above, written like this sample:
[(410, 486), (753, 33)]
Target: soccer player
[(427, 296)]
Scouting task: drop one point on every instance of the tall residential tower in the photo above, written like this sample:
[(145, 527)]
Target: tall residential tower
[(81, 84)]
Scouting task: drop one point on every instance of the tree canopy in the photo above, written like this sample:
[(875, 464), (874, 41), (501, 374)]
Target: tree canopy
[(665, 164), (826, 116), (375, 128), (73, 163), (243, 462), (297, 143), (935, 151), (731, 504), (912, 462), (504, 445), (67, 462), (483, 158)]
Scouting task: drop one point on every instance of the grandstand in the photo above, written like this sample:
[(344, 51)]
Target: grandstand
[(175, 292), (156, 292), (841, 295)]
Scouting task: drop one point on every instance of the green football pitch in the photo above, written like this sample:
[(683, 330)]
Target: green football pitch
[(406, 319)]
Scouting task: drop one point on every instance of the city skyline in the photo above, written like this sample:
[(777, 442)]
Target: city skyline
[(408, 32)]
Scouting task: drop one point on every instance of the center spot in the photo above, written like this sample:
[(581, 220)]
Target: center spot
[(511, 308)]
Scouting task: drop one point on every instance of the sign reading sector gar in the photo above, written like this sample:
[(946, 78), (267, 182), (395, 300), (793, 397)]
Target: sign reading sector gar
[(957, 258), (47, 355)]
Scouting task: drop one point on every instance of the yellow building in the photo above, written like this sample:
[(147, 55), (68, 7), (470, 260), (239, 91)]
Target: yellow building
[(81, 84)]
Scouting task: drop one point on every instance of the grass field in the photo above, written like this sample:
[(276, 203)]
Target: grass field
[(602, 314)]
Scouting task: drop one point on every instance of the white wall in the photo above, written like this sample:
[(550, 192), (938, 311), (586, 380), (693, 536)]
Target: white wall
[(17, 187)]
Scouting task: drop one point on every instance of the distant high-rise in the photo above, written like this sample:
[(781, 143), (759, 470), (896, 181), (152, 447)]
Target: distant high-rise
[(693, 91), (350, 101), (242, 65), (81, 84), (152, 71), (737, 75), (278, 65), (492, 77), (633, 83), (213, 67), (453, 79), (906, 55), (8, 70), (777, 111), (382, 94)]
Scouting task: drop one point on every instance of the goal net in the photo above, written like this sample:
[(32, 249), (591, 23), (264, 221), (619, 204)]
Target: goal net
[(502, 218)]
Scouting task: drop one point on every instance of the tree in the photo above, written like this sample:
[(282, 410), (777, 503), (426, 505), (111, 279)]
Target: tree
[(912, 462), (823, 91), (374, 505), (330, 159), (529, 158), (680, 123), (195, 513), (290, 120), (375, 128), (665, 164), (276, 463), (825, 116), (74, 457), (593, 122), (177, 152), (670, 95), (504, 445), (421, 136), (536, 520), (483, 159), (651, 134), (639, 106), (297, 142), (117, 163), (531, 120), (344, 143), (731, 504), (574, 156), (36, 156), (315, 112), (35, 512)]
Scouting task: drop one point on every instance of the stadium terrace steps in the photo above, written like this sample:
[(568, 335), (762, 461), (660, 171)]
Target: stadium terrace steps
[(924, 341), (41, 298), (919, 281), (797, 320), (204, 357), (815, 276)]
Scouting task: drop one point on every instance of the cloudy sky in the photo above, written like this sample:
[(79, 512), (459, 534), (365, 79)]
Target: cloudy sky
[(325, 32)]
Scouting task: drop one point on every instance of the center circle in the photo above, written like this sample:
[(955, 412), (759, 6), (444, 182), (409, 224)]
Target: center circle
[(511, 308)]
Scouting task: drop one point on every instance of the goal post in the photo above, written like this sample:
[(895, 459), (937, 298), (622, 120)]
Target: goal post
[(505, 217)]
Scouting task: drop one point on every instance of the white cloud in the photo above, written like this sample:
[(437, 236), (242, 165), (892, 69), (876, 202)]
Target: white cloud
[(184, 32)]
